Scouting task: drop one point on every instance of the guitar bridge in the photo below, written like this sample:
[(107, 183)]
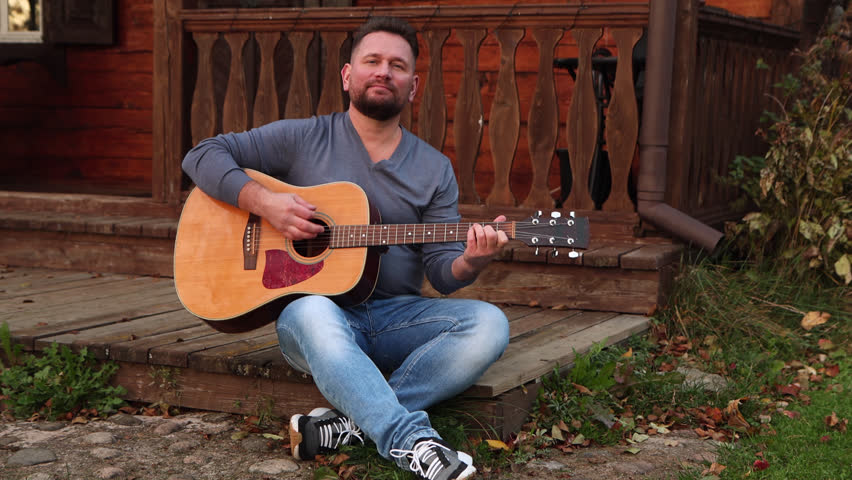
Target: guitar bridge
[(251, 242)]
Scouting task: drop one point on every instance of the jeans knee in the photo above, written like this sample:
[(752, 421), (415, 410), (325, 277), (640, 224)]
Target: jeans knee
[(492, 330)]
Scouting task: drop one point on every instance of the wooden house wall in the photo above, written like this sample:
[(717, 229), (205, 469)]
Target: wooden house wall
[(92, 132), (88, 132)]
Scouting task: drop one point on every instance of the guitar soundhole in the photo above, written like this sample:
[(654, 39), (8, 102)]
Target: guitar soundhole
[(313, 247)]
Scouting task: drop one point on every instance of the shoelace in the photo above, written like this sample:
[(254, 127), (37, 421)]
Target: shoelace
[(340, 428), (423, 452)]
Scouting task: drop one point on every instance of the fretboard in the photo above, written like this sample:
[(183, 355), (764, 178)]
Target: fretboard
[(349, 236)]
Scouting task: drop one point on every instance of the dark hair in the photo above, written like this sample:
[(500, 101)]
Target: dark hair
[(393, 25)]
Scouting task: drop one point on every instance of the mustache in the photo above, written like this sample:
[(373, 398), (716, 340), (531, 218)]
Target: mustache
[(380, 83)]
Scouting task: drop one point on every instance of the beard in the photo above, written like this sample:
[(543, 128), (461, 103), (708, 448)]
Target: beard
[(380, 109)]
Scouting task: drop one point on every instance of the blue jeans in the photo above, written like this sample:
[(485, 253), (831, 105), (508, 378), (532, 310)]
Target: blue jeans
[(431, 348)]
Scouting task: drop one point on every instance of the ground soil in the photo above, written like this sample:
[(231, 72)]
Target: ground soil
[(206, 445)]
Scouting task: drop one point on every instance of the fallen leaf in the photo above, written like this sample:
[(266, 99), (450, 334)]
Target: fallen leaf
[(239, 435), (759, 465), (79, 421), (497, 445), (272, 436), (582, 389), (638, 437), (671, 443), (735, 418), (825, 344), (813, 319), (832, 371), (715, 469), (578, 440), (628, 353), (340, 458), (556, 433), (633, 450), (792, 415)]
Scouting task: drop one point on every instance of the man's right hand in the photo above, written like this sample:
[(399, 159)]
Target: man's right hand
[(289, 213)]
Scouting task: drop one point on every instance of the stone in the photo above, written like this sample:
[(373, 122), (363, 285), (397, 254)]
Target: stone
[(41, 476), (105, 453), (183, 446), (125, 420), (274, 467), (256, 444), (707, 381), (99, 438), (31, 456), (167, 428), (8, 440), (108, 473), (49, 426)]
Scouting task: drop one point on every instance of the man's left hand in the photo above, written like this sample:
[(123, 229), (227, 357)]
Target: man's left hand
[(484, 243)]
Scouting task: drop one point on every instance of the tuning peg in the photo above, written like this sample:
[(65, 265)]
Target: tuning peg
[(555, 215), (536, 251), (573, 254), (555, 252), (571, 214)]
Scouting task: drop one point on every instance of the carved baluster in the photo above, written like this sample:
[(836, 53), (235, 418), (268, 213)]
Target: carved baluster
[(505, 123), (622, 120), (543, 120), (203, 110), (432, 124), (467, 127), (299, 97), (582, 123), (331, 97), (235, 112), (266, 100)]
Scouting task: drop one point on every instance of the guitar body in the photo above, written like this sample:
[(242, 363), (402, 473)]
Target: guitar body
[(237, 272)]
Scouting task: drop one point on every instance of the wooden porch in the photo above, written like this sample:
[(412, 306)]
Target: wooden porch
[(523, 135), (166, 354)]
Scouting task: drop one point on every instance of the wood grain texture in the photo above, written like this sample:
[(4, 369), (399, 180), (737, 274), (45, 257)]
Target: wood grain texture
[(543, 122), (203, 110), (235, 110), (505, 122), (622, 120), (266, 99), (582, 124), (468, 120), (299, 104), (331, 96), (432, 120)]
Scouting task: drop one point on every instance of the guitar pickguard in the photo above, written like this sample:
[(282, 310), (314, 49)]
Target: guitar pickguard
[(282, 271)]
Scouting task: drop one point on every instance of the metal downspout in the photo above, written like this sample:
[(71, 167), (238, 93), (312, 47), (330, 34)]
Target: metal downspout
[(654, 135)]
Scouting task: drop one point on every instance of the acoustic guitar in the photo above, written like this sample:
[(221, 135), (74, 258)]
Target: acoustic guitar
[(236, 272)]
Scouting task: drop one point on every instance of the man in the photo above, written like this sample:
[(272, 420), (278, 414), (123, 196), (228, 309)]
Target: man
[(430, 348)]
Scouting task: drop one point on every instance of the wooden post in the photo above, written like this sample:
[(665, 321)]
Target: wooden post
[(168, 122), (682, 112)]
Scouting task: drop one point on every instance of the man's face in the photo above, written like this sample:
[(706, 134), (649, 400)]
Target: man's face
[(380, 77)]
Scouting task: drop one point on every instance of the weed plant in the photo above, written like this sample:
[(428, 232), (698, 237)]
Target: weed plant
[(57, 382)]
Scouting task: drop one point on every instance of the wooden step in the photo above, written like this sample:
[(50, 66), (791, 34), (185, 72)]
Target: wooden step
[(166, 354)]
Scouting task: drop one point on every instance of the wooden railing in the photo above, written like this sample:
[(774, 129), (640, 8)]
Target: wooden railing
[(491, 100), (493, 79)]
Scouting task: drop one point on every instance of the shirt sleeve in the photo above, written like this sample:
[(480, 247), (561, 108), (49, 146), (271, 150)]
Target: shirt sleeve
[(438, 257), (217, 164)]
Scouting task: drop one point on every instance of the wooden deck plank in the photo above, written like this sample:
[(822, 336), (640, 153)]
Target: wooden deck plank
[(268, 363), (223, 358), (652, 257), (542, 318), (507, 369), (85, 293), (65, 283), (523, 363), (177, 354), (138, 350), (102, 312), (608, 256), (100, 340)]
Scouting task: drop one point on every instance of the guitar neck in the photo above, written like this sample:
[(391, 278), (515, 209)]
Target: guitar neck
[(350, 236)]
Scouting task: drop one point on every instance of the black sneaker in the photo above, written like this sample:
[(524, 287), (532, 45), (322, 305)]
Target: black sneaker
[(320, 432), (433, 459)]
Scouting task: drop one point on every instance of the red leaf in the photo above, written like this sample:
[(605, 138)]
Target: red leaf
[(760, 465), (791, 389), (832, 371)]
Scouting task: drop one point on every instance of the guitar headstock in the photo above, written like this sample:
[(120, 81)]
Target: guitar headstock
[(554, 231)]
